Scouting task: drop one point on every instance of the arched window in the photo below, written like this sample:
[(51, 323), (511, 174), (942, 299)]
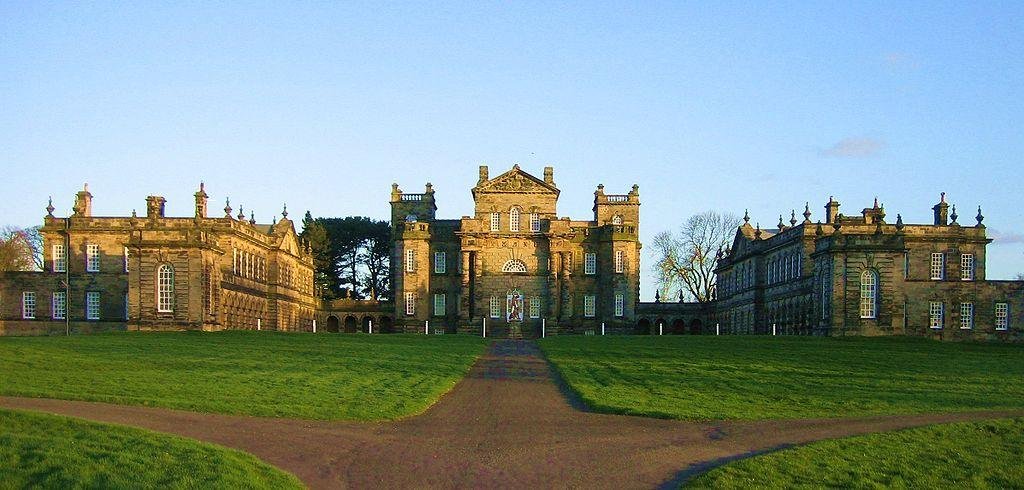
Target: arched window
[(617, 220), (869, 294), (165, 288), (514, 266), (513, 219)]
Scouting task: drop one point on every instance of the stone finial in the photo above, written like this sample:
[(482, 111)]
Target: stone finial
[(746, 216), (881, 212), (600, 190), (241, 213), (818, 231), (807, 213), (680, 295), (940, 211), (252, 218), (284, 212), (899, 222), (657, 297), (757, 232), (515, 166), (979, 217), (227, 207), (792, 218), (635, 190), (201, 201), (953, 216), (876, 203), (782, 226), (942, 197), (50, 208)]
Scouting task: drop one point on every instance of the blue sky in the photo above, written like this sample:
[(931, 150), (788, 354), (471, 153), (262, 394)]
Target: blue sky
[(705, 105)]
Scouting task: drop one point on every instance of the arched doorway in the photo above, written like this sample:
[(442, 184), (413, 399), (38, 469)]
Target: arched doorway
[(678, 327), (366, 324), (643, 327), (661, 327), (350, 324), (333, 325), (696, 327), (386, 324)]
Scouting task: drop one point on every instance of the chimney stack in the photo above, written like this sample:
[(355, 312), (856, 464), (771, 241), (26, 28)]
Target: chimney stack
[(549, 175), (941, 211), (83, 202), (155, 207), (831, 210), (201, 201), (483, 175)]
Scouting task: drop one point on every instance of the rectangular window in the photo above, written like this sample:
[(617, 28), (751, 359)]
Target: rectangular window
[(28, 305), (534, 307), (967, 267), (495, 307), (495, 221), (590, 263), (92, 257), (59, 305), (440, 265), (410, 303), (620, 304), (935, 311), (534, 222), (906, 265), (410, 261), (126, 259), (234, 261), (1002, 316), (60, 258), (92, 305), (938, 266), (439, 304), (966, 316), (620, 261), (589, 305)]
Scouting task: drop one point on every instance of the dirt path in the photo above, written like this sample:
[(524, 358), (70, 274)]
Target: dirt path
[(506, 425)]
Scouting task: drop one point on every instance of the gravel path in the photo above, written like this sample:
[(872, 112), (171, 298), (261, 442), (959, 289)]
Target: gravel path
[(507, 424)]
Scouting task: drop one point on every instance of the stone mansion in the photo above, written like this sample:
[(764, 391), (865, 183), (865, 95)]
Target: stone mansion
[(514, 267)]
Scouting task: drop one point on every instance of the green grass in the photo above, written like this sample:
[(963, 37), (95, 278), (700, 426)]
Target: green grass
[(46, 451), (330, 377), (747, 377), (961, 455)]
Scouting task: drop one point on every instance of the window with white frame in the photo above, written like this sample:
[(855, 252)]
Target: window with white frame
[(59, 305), (620, 261), (410, 303), (126, 259), (869, 294), (92, 305), (495, 221), (535, 222), (534, 307), (60, 257), (589, 305), (617, 219), (165, 288), (514, 266), (967, 267), (234, 261), (1002, 316), (935, 314), (92, 257), (28, 305), (440, 262), (410, 261), (590, 263), (966, 316), (439, 304), (513, 219), (495, 307), (620, 304), (938, 266)]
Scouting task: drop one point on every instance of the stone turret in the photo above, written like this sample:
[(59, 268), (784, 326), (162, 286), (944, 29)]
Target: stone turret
[(201, 198), (941, 211), (831, 210), (83, 202)]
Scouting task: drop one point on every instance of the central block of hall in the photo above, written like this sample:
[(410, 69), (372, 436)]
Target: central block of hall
[(514, 264)]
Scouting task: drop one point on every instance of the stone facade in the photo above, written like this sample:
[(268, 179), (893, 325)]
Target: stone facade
[(864, 276), (158, 273), (514, 262)]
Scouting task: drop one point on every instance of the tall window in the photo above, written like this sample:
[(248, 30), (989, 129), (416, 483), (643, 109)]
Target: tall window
[(410, 303), (126, 306), (495, 221), (28, 305), (59, 305), (439, 304), (234, 261), (869, 294), (620, 261), (590, 263), (619, 304), (513, 220), (534, 222), (440, 263), (126, 259), (410, 261), (165, 288), (92, 257), (966, 316), (495, 307), (92, 305), (534, 307), (938, 266), (935, 313), (589, 305), (967, 267), (1002, 316), (60, 257), (906, 265)]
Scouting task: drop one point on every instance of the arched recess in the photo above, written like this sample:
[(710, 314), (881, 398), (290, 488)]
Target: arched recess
[(333, 325), (696, 327), (365, 324), (350, 324), (661, 326), (678, 327), (643, 327), (387, 325)]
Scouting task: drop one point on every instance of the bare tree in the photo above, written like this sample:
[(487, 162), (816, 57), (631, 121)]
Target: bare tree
[(686, 260), (21, 249)]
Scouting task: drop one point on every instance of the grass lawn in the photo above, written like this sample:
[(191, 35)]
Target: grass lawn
[(961, 455), (747, 377), (327, 376), (46, 451)]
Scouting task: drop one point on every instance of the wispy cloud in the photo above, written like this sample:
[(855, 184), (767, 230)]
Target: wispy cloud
[(1005, 238), (854, 148)]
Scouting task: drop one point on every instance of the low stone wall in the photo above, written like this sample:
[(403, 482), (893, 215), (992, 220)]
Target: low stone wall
[(49, 327)]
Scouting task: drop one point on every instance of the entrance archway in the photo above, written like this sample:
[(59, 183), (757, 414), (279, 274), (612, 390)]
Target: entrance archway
[(366, 324), (643, 327), (678, 327), (350, 324), (333, 325), (696, 327)]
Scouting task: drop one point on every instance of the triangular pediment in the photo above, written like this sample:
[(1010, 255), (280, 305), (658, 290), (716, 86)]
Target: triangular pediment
[(516, 181)]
